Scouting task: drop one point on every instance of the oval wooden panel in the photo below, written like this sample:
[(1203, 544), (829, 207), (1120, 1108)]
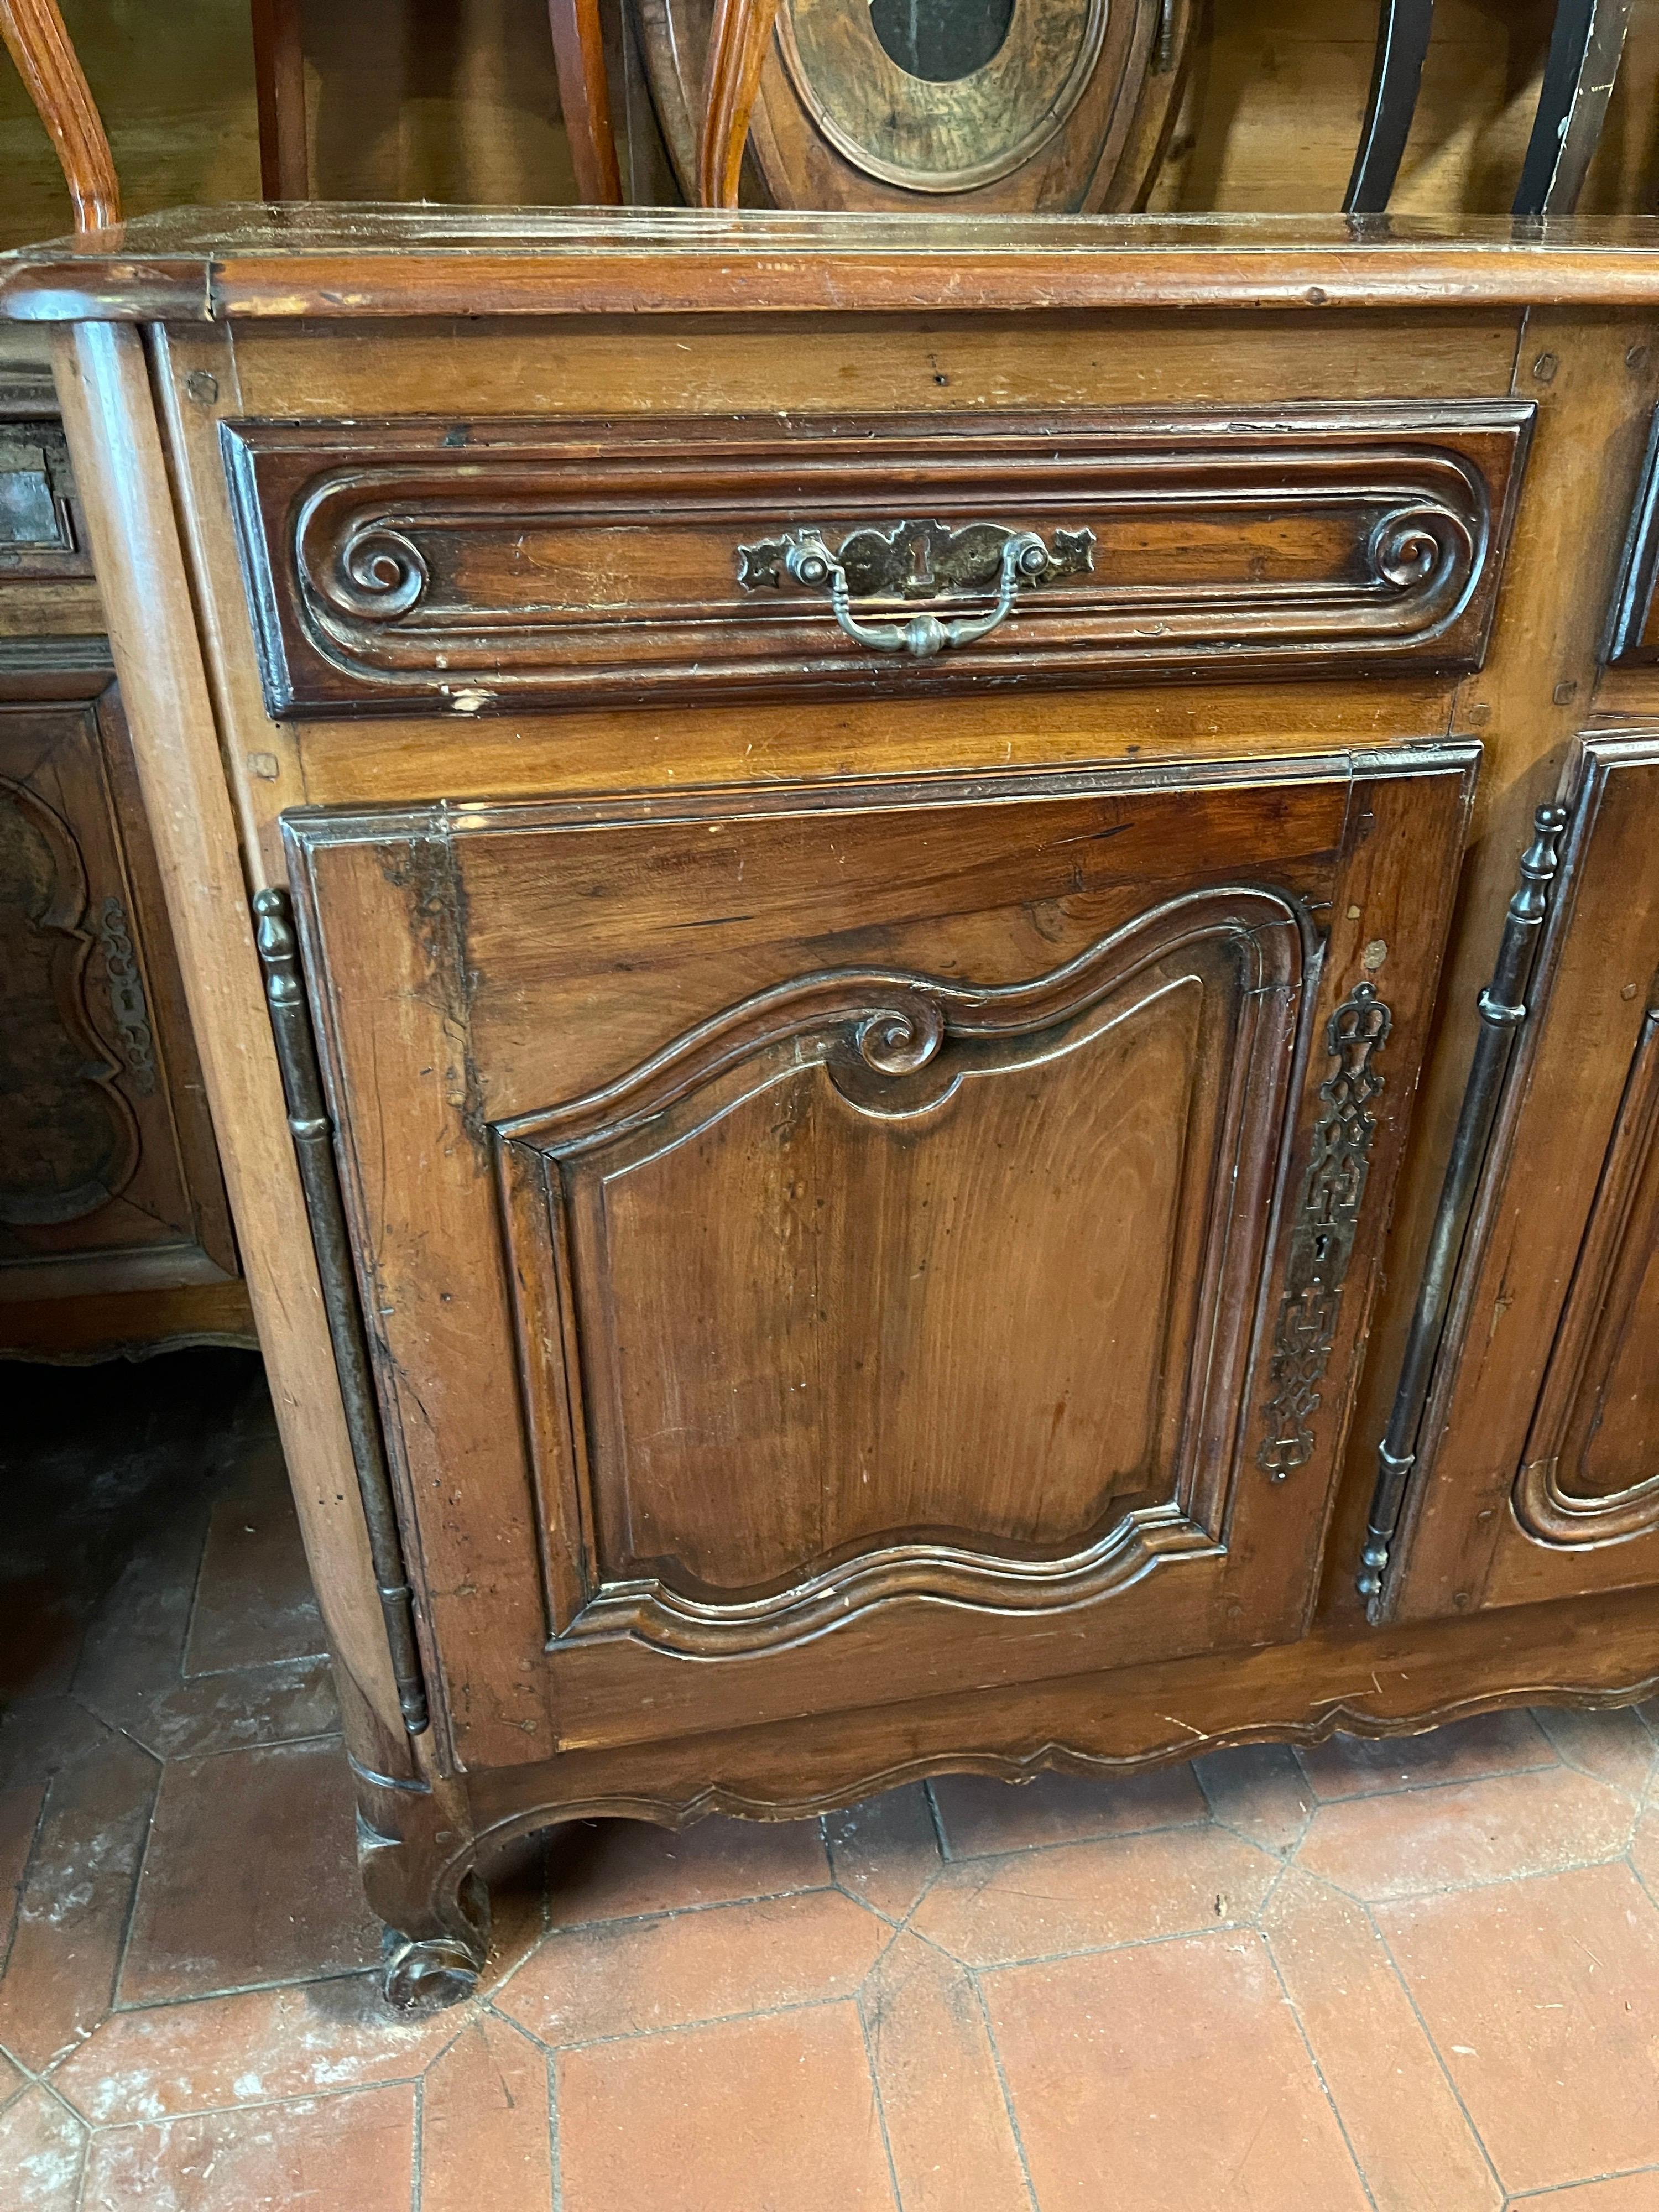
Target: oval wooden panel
[(1066, 110), (932, 135)]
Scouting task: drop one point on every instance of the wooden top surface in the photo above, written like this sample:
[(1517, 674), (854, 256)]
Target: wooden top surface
[(214, 264)]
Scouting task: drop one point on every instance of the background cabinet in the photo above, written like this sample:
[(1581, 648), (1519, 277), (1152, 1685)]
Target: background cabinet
[(115, 1231), (113, 1228)]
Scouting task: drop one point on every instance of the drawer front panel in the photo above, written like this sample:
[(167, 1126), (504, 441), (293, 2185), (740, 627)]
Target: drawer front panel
[(825, 1243), (457, 566)]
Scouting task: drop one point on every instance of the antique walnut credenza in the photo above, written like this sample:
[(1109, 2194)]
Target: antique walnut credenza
[(895, 925)]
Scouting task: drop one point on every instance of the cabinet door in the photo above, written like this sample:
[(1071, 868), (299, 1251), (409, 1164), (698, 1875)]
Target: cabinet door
[(828, 1246), (109, 1179), (1542, 1481)]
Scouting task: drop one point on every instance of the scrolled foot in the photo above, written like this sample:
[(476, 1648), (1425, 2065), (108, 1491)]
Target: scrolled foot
[(427, 1974), (436, 1909)]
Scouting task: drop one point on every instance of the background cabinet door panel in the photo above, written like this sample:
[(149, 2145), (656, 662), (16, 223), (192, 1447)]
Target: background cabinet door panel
[(829, 1245), (1544, 1481), (109, 1175)]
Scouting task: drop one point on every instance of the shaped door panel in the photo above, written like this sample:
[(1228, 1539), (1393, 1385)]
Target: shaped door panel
[(802, 1274), (828, 1246)]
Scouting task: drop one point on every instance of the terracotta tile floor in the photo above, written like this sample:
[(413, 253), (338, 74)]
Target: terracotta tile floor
[(1417, 1976)]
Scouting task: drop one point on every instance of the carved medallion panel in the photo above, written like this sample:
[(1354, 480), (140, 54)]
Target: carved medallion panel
[(68, 1142), (459, 568)]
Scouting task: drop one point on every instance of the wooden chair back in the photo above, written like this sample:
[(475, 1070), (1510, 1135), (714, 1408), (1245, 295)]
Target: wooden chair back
[(1584, 54), (50, 67), (736, 51), (1587, 40)]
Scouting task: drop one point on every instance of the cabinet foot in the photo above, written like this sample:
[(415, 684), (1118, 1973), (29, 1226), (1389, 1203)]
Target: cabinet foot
[(424, 1974), (415, 1849)]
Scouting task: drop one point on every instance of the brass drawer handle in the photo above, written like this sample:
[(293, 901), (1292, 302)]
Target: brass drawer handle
[(916, 560)]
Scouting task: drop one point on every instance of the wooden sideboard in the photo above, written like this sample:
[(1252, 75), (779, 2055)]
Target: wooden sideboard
[(895, 925), (115, 1237)]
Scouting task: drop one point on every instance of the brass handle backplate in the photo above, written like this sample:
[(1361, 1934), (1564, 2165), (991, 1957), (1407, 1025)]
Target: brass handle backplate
[(913, 561)]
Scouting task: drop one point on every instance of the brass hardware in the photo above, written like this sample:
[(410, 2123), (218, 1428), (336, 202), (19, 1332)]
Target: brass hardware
[(916, 560), (1326, 1220), (1503, 1008), (313, 1143)]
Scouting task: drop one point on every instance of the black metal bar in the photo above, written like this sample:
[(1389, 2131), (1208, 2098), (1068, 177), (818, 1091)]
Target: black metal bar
[(1586, 43), (313, 1144), (1163, 45), (1402, 40), (1638, 568), (1502, 1010)]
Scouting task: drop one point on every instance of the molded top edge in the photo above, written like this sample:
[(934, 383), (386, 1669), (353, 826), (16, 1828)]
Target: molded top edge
[(334, 261)]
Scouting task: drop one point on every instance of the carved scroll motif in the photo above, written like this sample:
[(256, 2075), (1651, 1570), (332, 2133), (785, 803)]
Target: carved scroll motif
[(1323, 1236)]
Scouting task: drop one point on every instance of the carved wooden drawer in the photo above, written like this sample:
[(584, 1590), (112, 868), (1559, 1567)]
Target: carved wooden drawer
[(850, 1235), (441, 565)]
